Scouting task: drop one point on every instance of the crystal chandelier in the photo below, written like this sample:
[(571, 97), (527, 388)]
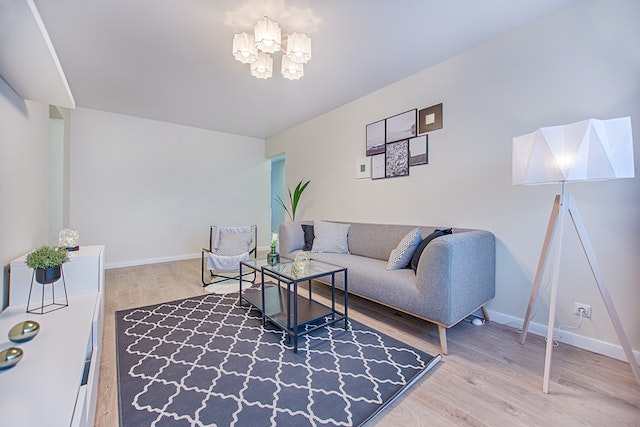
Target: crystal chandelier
[(255, 49)]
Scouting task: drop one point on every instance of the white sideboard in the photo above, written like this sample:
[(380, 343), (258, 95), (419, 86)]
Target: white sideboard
[(56, 382)]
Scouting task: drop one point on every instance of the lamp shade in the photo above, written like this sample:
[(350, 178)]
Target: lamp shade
[(262, 68), (299, 48), (291, 70), (589, 150), (244, 48), (267, 35)]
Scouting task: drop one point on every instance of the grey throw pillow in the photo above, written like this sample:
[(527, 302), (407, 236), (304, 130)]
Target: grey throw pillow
[(401, 255), (233, 243), (330, 237)]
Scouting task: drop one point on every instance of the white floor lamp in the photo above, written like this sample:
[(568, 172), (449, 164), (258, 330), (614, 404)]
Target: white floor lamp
[(590, 150)]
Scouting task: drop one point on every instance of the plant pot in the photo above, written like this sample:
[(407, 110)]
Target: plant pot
[(45, 276)]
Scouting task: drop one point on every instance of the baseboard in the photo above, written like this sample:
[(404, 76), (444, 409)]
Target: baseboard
[(587, 343), (150, 261)]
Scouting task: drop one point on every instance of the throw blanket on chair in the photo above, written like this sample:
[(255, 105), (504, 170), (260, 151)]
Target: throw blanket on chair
[(225, 262)]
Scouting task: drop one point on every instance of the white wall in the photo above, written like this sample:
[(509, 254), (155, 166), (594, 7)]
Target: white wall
[(578, 63), (56, 178), (149, 190), (24, 172)]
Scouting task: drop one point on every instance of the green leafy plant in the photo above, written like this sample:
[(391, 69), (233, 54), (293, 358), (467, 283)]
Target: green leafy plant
[(47, 256), (294, 199)]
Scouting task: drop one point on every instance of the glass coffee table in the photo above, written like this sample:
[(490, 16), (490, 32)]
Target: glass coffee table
[(283, 305)]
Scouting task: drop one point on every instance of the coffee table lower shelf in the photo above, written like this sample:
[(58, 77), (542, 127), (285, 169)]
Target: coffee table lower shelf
[(310, 312)]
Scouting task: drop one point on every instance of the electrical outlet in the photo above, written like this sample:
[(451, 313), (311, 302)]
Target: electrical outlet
[(577, 306)]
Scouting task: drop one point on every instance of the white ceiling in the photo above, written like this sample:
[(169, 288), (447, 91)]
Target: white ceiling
[(170, 60)]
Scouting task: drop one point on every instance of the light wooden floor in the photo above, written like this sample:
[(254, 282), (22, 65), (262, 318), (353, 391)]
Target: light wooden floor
[(487, 379)]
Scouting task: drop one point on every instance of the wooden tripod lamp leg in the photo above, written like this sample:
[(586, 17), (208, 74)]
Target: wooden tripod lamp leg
[(555, 277), (604, 292), (544, 257)]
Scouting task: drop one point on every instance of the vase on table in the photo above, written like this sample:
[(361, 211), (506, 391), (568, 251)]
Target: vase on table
[(273, 257)]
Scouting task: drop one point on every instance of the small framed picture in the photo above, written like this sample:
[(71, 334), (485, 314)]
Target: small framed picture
[(430, 119), (378, 166), (363, 167), (397, 159), (375, 138), (402, 126), (419, 150)]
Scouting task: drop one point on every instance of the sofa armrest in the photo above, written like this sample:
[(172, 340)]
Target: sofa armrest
[(456, 275), (291, 237)]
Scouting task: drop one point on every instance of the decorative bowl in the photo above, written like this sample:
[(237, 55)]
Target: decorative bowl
[(10, 357), (24, 331), (300, 264)]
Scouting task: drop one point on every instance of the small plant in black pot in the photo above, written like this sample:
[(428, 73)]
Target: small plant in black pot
[(46, 261)]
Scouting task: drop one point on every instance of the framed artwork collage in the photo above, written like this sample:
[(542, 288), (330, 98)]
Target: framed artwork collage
[(395, 144)]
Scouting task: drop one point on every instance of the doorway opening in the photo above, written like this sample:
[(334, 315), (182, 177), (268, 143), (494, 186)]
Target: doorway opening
[(278, 189)]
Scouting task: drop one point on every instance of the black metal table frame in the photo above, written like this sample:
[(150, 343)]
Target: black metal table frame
[(292, 330)]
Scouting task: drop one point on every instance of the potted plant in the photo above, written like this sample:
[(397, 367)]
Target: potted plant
[(294, 198), (46, 261)]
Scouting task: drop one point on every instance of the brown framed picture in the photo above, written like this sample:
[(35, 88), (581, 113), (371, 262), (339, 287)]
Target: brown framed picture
[(401, 126), (419, 150), (430, 119), (397, 159), (375, 138)]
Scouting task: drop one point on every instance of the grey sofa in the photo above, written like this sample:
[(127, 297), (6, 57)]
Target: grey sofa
[(454, 277)]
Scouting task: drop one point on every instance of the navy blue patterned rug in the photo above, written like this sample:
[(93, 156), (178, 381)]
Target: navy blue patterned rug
[(208, 361)]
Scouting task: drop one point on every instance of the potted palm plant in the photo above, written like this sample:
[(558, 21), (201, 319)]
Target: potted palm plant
[(294, 198), (46, 261)]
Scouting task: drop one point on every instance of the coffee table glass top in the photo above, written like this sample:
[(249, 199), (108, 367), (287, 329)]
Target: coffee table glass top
[(285, 268)]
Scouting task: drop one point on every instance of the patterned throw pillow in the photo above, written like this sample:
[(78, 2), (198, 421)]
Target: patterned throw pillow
[(330, 237), (233, 243), (401, 255)]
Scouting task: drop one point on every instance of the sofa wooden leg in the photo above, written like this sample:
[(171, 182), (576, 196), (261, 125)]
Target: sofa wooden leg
[(485, 313), (442, 331)]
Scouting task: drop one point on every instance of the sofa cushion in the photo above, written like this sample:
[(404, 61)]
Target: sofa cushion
[(401, 255), (376, 240), (308, 236), (369, 278), (330, 237), (233, 243)]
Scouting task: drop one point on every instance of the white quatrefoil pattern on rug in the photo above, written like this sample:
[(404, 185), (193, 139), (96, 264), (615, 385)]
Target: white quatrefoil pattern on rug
[(207, 361)]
